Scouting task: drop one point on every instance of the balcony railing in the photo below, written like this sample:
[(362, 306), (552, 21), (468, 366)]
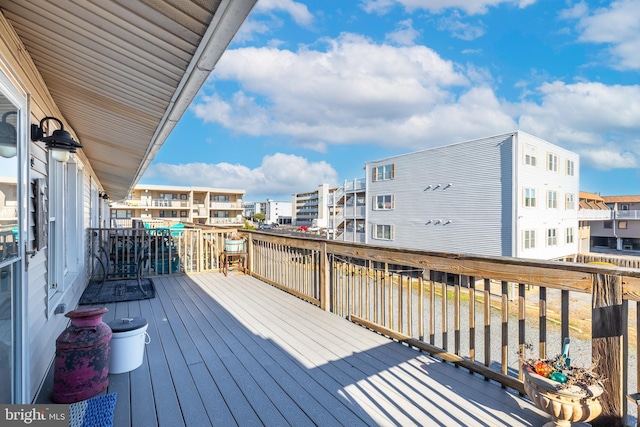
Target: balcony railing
[(457, 306), (226, 205), (594, 214), (630, 214)]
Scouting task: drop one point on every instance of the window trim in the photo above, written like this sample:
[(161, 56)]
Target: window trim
[(377, 203), (528, 239), (552, 237), (552, 202), (530, 155), (375, 235), (381, 169), (552, 162), (529, 201)]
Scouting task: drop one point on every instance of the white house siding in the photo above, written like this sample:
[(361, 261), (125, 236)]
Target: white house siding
[(541, 218), (468, 198), (41, 326), (456, 198)]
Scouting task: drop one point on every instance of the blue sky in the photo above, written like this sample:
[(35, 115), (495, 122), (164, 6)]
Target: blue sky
[(309, 91)]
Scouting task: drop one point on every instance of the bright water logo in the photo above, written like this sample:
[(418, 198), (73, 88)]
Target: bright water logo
[(49, 415)]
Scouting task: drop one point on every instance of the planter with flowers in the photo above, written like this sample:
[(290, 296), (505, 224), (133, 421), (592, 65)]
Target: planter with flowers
[(567, 393)]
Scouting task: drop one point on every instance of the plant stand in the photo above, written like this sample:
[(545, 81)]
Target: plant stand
[(565, 406)]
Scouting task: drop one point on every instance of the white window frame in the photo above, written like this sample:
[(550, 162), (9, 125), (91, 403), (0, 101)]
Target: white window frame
[(529, 239), (66, 224), (382, 232), (529, 198), (552, 162), (569, 236), (570, 201), (380, 203), (530, 157), (570, 170), (552, 237), (383, 172), (552, 199)]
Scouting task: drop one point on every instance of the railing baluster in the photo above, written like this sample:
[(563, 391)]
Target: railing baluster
[(504, 360), (472, 319), (456, 315), (445, 308), (420, 307), (542, 323), (521, 324)]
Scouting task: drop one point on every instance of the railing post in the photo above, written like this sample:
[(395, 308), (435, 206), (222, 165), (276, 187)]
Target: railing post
[(325, 292), (250, 254), (609, 325)]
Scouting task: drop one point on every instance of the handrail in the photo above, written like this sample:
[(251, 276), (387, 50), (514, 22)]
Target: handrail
[(411, 293)]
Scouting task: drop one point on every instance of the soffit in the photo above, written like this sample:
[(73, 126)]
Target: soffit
[(122, 72)]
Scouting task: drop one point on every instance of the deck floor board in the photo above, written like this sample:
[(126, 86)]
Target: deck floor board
[(236, 351)]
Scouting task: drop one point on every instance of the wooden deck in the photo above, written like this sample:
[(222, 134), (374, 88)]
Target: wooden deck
[(236, 351)]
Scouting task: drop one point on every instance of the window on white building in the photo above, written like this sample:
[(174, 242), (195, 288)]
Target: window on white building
[(529, 155), (65, 223), (570, 168), (529, 239), (552, 162), (384, 202), (552, 237), (382, 232), (552, 199), (570, 201), (569, 236), (530, 197), (384, 173)]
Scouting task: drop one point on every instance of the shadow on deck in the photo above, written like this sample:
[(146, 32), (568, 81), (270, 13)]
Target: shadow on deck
[(236, 351)]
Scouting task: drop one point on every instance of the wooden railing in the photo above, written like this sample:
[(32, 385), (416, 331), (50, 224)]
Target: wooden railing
[(130, 252), (474, 311)]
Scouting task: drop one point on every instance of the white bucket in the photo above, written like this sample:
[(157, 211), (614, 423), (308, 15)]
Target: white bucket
[(127, 350)]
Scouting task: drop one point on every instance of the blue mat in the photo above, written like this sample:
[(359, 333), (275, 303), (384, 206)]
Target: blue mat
[(94, 412)]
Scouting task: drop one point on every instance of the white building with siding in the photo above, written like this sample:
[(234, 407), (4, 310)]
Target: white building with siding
[(506, 195)]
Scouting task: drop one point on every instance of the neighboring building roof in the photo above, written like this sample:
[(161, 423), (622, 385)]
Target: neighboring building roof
[(592, 201), (621, 199)]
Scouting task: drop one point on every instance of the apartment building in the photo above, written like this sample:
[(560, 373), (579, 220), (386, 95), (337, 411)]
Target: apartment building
[(310, 206), (277, 212), (199, 205), (506, 195), (620, 229)]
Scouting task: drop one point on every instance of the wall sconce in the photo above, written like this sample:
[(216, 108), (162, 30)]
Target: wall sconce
[(8, 137), (104, 196), (60, 143)]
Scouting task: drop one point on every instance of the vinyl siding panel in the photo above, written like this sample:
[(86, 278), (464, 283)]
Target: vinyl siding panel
[(456, 198), (42, 326)]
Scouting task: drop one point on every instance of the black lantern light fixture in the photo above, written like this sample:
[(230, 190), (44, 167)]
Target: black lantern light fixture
[(103, 196), (60, 142), (8, 137)]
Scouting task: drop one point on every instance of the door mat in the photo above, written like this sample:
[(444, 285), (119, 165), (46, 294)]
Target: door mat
[(94, 412), (103, 292)]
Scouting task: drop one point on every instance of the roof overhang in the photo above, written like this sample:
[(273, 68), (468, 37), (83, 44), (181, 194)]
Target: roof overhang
[(123, 72)]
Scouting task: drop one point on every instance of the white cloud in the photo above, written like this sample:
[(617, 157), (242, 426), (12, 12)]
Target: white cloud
[(404, 35), (470, 7), (408, 97), (279, 175), (617, 26), (460, 29), (598, 121), (298, 11), (355, 92)]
